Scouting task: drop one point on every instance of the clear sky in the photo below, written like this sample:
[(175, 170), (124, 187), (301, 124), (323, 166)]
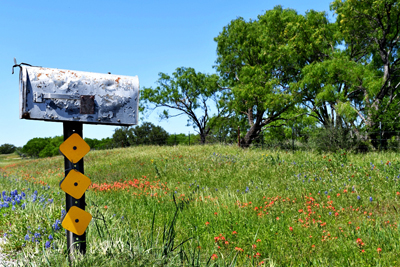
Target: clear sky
[(122, 37)]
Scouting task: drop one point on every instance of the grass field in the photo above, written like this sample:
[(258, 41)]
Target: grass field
[(210, 206), (9, 159)]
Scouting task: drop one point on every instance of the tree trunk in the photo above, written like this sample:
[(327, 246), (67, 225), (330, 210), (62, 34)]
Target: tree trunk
[(252, 134)]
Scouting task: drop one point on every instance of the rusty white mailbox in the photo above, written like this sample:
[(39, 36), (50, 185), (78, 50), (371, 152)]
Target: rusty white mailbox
[(86, 97)]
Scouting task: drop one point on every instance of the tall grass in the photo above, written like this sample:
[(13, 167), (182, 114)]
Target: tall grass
[(212, 206)]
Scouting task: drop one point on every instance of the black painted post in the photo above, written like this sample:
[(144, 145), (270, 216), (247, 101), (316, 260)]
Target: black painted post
[(74, 242)]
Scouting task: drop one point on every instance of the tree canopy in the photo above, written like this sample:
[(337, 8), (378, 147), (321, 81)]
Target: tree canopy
[(188, 92)]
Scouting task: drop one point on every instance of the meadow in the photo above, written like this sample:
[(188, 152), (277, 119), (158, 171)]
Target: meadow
[(209, 206)]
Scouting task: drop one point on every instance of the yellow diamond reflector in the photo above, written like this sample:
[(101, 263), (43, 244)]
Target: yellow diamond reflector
[(75, 184), (74, 148), (76, 220)]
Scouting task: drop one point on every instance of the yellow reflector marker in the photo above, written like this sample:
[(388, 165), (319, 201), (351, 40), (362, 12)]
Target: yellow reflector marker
[(75, 184), (74, 148), (76, 220)]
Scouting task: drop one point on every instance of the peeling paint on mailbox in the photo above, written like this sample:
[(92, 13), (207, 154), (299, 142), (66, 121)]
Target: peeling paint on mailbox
[(66, 95)]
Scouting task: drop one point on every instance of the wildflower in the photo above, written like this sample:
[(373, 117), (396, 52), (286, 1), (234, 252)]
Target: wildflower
[(106, 207), (238, 249), (258, 240), (379, 250), (277, 218), (358, 197), (207, 223), (215, 213), (234, 233), (50, 237), (26, 237), (253, 246), (214, 256), (47, 245), (290, 228), (257, 255), (370, 199)]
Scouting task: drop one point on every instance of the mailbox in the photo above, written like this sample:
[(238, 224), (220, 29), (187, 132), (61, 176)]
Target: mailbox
[(66, 95)]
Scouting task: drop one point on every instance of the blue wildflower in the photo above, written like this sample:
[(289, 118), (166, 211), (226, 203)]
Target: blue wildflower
[(26, 237), (47, 245), (370, 199)]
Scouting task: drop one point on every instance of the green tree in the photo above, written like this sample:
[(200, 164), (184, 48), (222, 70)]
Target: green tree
[(149, 134), (34, 146), (261, 59), (52, 147), (371, 70), (7, 149), (190, 93), (145, 134), (122, 137)]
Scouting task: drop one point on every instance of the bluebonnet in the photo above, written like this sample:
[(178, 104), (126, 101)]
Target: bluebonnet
[(358, 197), (56, 225), (47, 245), (370, 199), (247, 189), (26, 237), (50, 237)]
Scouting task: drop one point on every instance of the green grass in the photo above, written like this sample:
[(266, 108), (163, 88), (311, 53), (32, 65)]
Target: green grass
[(8, 159), (213, 206)]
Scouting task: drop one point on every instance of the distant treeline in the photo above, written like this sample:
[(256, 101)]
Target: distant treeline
[(145, 134)]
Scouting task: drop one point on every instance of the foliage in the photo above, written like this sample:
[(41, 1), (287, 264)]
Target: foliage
[(104, 143), (145, 134), (261, 59), (7, 149), (52, 147), (189, 92), (34, 146)]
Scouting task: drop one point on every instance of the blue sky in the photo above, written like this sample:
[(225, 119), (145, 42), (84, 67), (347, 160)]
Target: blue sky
[(122, 37)]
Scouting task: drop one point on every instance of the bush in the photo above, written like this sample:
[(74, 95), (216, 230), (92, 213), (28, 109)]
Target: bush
[(7, 149), (333, 139)]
